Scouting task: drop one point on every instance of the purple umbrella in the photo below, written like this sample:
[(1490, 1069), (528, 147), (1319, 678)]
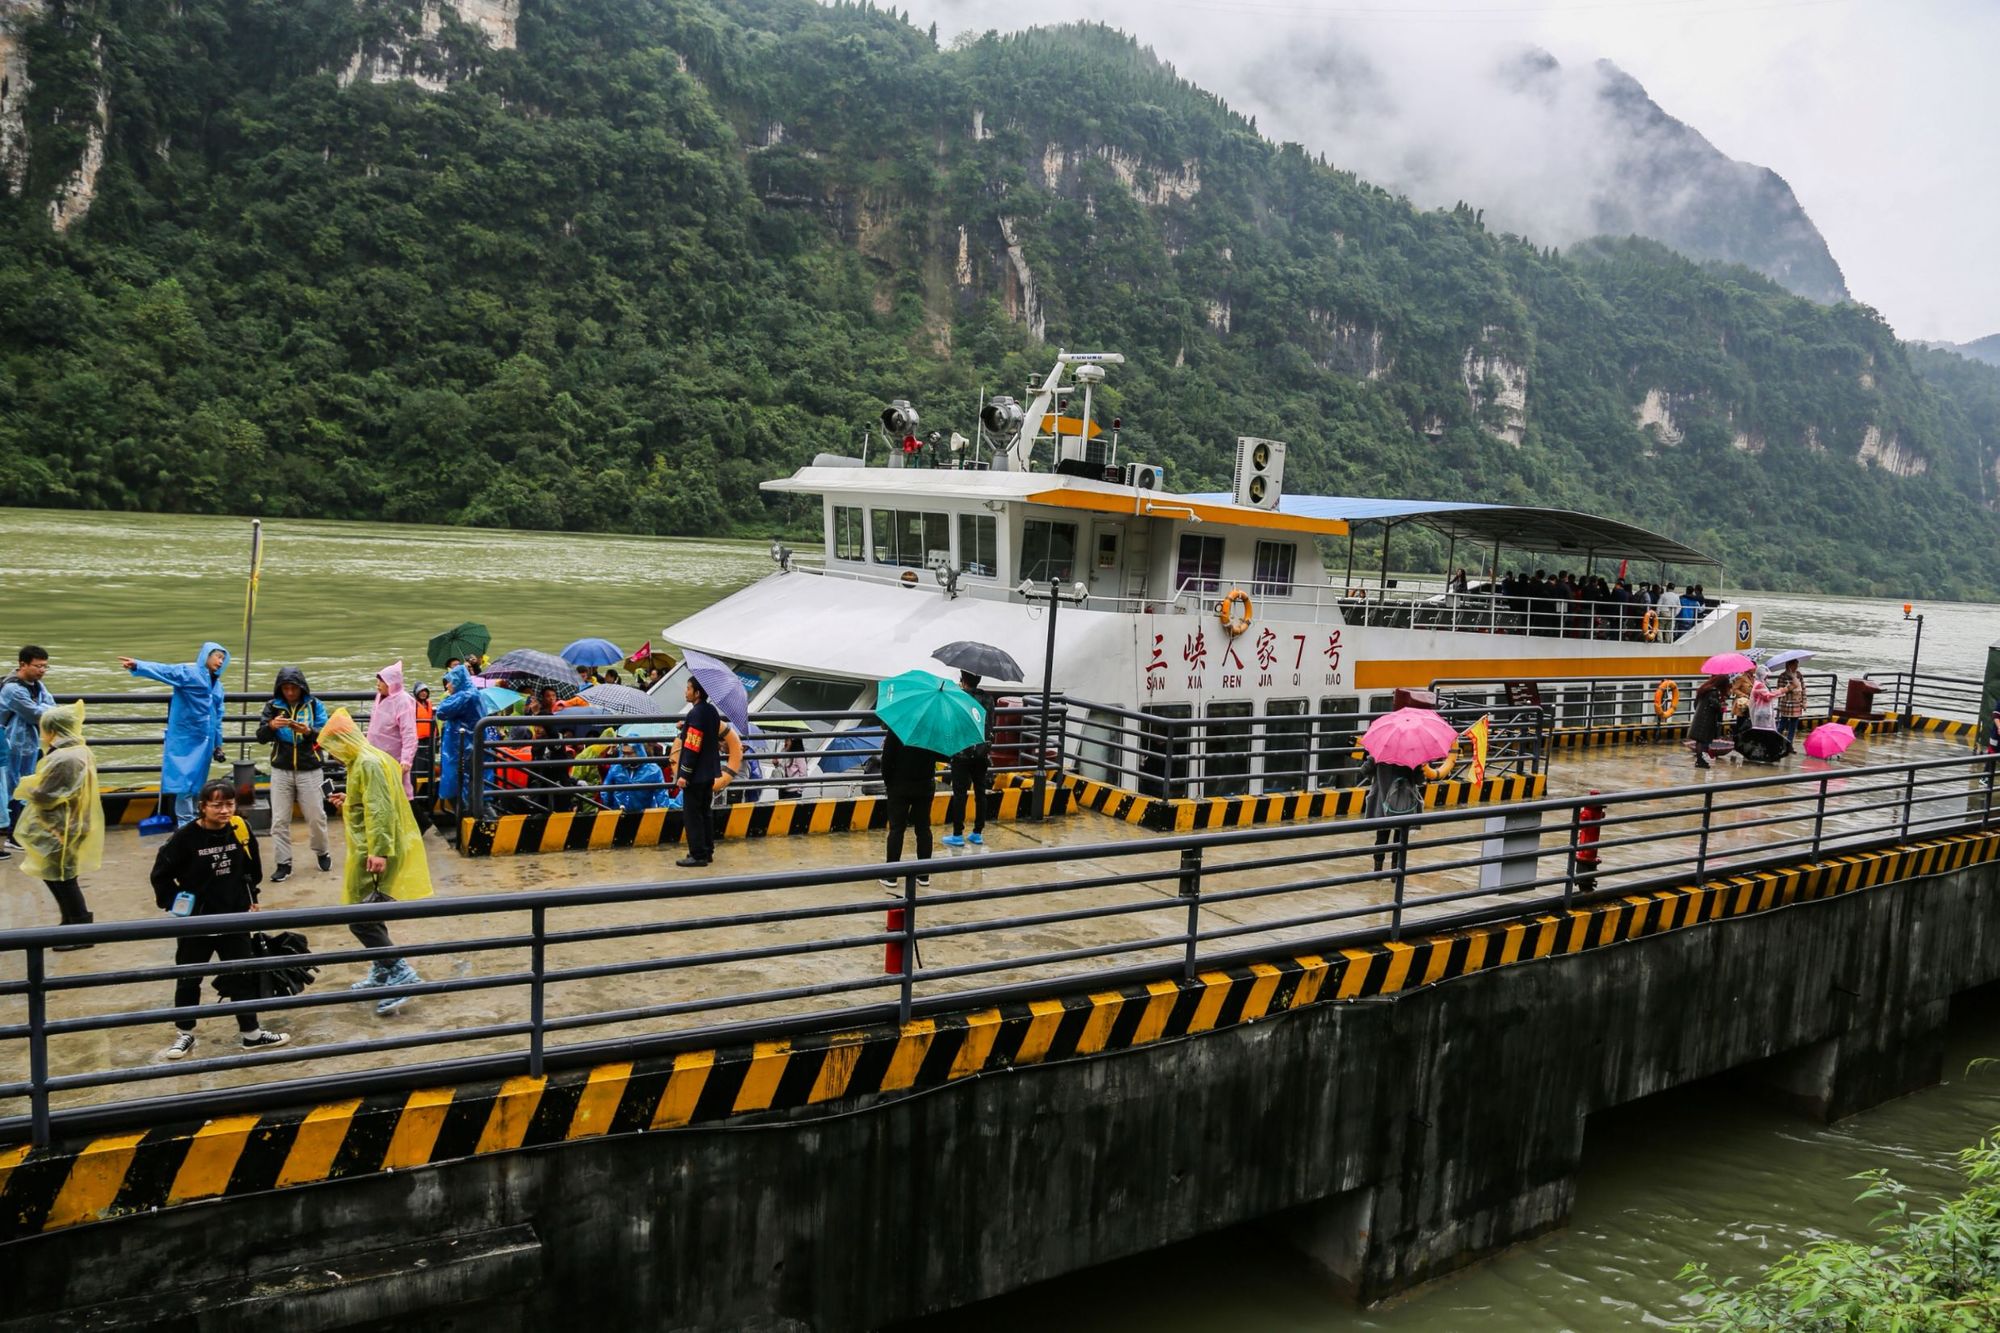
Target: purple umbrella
[(725, 690)]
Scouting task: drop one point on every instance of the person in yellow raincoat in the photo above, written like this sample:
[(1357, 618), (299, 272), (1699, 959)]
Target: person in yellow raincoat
[(385, 847), (62, 824)]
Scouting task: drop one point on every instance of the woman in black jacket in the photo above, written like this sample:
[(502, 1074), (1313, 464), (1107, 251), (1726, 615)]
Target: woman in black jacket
[(210, 867), (1707, 724)]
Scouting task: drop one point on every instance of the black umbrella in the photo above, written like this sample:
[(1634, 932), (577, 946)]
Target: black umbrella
[(981, 659), (546, 667), (625, 699)]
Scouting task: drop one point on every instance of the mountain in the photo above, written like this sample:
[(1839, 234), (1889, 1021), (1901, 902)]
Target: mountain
[(1551, 152), (607, 264), (1985, 349)]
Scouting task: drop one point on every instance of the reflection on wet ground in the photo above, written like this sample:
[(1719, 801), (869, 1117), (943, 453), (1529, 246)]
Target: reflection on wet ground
[(1004, 923)]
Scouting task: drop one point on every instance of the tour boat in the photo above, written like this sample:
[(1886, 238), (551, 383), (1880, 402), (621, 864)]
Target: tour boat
[(1182, 605)]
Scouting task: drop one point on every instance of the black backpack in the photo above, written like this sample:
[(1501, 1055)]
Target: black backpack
[(269, 982)]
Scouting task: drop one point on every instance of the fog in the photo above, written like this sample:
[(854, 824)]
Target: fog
[(1882, 120)]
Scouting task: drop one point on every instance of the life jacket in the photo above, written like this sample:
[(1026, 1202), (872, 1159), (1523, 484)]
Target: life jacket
[(425, 712)]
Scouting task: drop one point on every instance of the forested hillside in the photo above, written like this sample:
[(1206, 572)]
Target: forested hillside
[(607, 264)]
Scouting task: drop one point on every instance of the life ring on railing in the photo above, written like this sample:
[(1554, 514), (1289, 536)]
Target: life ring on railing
[(1667, 700), (1650, 626), (1226, 611)]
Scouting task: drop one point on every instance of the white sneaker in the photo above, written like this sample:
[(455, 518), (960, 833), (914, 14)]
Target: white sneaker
[(183, 1043), (258, 1040)]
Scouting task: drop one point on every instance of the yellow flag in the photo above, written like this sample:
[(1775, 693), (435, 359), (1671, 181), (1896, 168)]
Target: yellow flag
[(1479, 734)]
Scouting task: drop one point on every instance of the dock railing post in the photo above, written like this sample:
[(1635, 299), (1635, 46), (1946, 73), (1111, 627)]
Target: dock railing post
[(1986, 816), (1400, 854), (907, 987), (475, 799), (1575, 843), (1819, 817), (1701, 849), (1190, 891), (38, 1051), (1909, 799), (537, 989)]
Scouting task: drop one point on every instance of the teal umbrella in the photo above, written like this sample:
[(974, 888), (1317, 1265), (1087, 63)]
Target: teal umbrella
[(928, 712)]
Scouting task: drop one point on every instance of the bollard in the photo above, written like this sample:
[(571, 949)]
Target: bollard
[(243, 776), (1589, 817), (892, 952)]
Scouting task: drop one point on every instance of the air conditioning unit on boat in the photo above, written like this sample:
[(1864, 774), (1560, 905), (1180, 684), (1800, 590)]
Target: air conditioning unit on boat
[(1145, 476), (1260, 471)]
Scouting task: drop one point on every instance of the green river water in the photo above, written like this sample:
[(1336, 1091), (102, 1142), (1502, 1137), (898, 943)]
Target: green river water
[(1700, 1174)]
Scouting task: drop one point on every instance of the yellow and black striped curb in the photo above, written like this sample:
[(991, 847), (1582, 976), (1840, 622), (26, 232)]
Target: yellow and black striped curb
[(1184, 816), (592, 830), (116, 1175)]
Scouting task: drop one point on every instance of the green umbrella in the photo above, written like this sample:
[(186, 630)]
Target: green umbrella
[(930, 713), (466, 641)]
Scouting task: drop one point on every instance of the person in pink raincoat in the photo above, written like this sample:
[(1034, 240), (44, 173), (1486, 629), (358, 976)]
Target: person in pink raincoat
[(392, 726)]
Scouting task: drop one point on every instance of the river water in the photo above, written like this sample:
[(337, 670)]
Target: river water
[(1741, 1184)]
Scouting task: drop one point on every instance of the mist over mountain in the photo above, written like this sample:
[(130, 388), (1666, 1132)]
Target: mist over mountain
[(1552, 152), (1985, 349)]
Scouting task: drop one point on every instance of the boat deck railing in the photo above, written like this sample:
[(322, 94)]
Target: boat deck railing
[(1589, 702), (1931, 695), (560, 978)]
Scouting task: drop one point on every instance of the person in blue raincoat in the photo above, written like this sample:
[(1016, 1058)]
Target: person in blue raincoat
[(194, 721), (457, 713), (635, 782)]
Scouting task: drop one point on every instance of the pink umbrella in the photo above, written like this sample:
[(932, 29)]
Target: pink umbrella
[(1726, 664), (1829, 739), (1409, 737)]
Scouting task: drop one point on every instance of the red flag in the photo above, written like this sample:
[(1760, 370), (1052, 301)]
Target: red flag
[(1621, 569), (645, 651)]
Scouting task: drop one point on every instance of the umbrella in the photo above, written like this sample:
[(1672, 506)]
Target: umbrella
[(625, 699), (928, 712), (1789, 655), (849, 750), (648, 731), (724, 688), (498, 698), (465, 641), (981, 659), (593, 653), (1409, 738), (1726, 664), (592, 719), (525, 665), (1829, 739)]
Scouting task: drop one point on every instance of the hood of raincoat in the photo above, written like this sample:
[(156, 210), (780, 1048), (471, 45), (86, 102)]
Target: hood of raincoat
[(291, 676), (392, 676), (459, 679), (62, 725), (201, 658), (341, 738)]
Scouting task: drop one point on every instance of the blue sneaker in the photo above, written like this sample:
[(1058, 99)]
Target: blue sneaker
[(377, 976), (953, 840), (401, 974), (977, 840)]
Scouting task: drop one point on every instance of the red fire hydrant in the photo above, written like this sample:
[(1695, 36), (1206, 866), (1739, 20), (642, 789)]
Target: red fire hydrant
[(1589, 819)]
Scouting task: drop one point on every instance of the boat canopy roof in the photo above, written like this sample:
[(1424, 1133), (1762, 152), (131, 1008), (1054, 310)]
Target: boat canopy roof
[(1523, 527)]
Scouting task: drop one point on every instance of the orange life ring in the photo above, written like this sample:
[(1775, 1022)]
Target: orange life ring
[(1667, 700), (1650, 626), (1225, 611)]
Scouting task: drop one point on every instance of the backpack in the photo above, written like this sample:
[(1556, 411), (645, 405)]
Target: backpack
[(1402, 794), (270, 982)]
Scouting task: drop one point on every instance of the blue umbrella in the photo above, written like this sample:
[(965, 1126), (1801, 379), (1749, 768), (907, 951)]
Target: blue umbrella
[(498, 698), (724, 688), (648, 731), (849, 750), (593, 653)]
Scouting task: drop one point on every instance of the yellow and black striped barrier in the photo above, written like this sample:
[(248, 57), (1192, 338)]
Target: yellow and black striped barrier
[(1217, 812), (593, 830), (116, 1175)]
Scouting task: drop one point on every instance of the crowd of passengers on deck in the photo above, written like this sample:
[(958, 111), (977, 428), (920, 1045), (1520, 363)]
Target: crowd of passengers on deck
[(1581, 606)]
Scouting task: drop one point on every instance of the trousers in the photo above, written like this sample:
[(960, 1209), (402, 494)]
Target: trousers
[(968, 778), (698, 820), (910, 808), (199, 949), (307, 788)]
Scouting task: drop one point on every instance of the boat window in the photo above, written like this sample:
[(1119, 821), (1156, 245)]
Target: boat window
[(1048, 551), (811, 694), (1200, 567), (978, 544), (1226, 769), (1339, 726), (1163, 761), (905, 536), (850, 541), (1287, 745), (1272, 573)]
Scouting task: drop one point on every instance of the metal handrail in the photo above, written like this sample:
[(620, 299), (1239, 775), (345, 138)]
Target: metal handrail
[(1385, 873)]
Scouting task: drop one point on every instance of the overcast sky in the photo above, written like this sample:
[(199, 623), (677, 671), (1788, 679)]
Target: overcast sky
[(1884, 115)]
